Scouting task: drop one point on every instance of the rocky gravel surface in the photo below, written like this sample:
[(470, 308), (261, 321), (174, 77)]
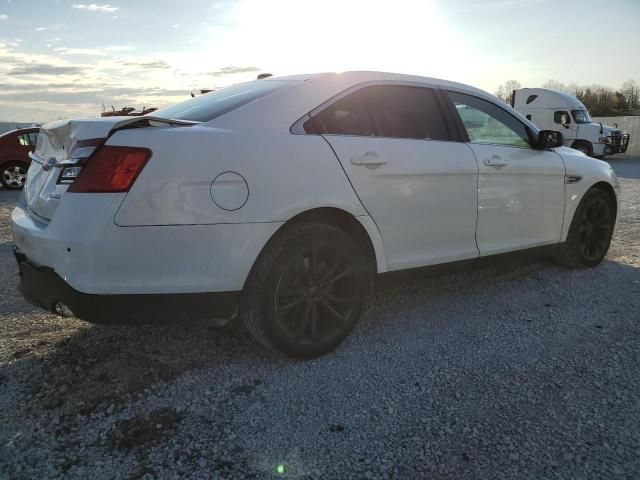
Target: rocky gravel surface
[(514, 370)]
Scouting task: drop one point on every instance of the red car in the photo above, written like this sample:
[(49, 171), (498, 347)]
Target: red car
[(14, 160)]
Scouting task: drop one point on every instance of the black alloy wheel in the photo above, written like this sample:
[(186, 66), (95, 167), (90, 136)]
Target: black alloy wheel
[(306, 291), (590, 232), (316, 295), (594, 229)]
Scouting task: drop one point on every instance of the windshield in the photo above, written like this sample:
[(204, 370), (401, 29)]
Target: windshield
[(215, 104), (581, 116)]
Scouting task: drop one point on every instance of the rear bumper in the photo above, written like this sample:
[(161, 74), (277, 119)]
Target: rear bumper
[(95, 256), (42, 286)]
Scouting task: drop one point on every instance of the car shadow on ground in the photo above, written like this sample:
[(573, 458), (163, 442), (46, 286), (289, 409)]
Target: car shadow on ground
[(81, 368)]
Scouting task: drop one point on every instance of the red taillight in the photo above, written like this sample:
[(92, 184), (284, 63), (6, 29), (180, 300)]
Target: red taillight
[(111, 169)]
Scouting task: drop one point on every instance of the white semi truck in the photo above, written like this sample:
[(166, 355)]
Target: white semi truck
[(551, 109)]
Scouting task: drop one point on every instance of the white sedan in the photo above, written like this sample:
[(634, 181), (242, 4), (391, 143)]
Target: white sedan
[(281, 200)]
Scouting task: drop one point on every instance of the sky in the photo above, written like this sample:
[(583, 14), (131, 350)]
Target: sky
[(66, 58)]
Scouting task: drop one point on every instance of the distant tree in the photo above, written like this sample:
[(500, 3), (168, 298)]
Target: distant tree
[(573, 88), (621, 102), (505, 91), (631, 91), (554, 85), (598, 99)]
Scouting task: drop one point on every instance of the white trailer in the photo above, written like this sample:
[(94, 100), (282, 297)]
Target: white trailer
[(551, 109)]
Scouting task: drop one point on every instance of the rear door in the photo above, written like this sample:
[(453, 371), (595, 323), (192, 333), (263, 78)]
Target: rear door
[(418, 186), (520, 189)]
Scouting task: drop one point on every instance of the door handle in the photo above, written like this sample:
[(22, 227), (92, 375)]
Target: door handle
[(368, 159), (495, 161)]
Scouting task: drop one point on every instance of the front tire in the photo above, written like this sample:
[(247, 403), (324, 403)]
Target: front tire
[(306, 290), (13, 176), (590, 232), (584, 147)]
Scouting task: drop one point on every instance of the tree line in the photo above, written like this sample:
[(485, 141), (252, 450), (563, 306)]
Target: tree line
[(600, 101)]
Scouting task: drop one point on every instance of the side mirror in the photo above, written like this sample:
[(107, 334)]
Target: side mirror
[(550, 139)]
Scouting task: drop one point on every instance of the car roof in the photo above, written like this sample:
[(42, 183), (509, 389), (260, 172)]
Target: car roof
[(338, 82), (20, 131), (362, 76)]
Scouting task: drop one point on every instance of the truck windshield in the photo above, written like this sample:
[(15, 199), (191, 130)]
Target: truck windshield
[(581, 116), (215, 104)]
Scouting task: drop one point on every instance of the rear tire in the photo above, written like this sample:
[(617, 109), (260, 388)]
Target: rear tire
[(13, 175), (584, 147), (590, 232), (306, 290)]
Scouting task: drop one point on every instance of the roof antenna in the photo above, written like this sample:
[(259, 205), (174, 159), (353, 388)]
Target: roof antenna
[(262, 76)]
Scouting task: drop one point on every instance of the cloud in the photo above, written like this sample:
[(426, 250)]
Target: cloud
[(102, 51), (44, 69), (95, 8), (94, 94), (154, 64), (232, 70), (39, 29), (3, 17), (502, 4), (175, 25)]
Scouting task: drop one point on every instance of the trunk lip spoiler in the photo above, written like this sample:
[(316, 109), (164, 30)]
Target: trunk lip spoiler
[(151, 118), (50, 163)]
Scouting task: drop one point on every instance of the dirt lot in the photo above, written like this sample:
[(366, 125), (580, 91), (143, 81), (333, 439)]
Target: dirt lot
[(516, 370)]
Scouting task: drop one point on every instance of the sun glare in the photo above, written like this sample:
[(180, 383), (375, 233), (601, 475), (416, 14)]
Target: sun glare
[(289, 36)]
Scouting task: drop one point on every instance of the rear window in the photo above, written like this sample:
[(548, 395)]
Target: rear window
[(215, 104), (28, 139)]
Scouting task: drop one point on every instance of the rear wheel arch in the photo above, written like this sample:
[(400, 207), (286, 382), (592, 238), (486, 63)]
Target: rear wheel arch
[(339, 219)]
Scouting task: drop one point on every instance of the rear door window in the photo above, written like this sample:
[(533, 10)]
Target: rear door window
[(392, 111), (405, 112), (347, 116)]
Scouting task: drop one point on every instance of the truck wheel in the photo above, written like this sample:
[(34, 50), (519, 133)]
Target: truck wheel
[(590, 231), (306, 290), (582, 146), (13, 175)]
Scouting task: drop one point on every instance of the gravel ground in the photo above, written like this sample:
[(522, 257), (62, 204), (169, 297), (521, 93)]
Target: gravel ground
[(517, 370)]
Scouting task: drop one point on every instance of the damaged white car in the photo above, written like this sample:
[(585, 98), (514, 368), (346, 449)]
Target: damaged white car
[(282, 199)]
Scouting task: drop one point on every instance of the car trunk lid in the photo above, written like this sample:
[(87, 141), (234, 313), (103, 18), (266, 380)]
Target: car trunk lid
[(66, 142)]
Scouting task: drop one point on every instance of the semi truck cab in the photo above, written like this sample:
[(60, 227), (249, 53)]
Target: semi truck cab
[(555, 110)]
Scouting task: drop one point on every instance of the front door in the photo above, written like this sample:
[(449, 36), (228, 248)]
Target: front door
[(520, 189), (419, 187)]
